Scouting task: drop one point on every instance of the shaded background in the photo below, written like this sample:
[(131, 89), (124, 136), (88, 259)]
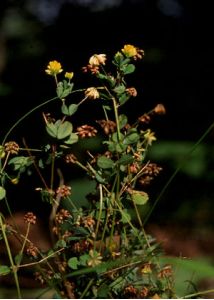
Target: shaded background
[(177, 71)]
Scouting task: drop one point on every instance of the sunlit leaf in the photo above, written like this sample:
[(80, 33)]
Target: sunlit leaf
[(73, 263), (2, 192), (139, 197), (4, 270)]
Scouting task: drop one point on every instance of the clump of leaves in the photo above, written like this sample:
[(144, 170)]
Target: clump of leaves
[(100, 250)]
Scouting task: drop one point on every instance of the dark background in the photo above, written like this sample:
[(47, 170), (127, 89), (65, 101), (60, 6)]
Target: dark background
[(177, 70)]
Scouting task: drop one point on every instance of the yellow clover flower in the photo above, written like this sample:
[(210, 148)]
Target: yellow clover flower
[(69, 75), (97, 59), (129, 50), (150, 137), (54, 67)]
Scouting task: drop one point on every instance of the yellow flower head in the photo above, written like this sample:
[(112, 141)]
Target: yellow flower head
[(97, 59), (54, 67), (150, 137), (129, 50), (92, 93), (69, 75)]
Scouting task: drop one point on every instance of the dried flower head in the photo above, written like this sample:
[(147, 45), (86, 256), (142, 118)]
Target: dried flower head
[(32, 250), (145, 118), (107, 125), (29, 217), (159, 109), (54, 67), (131, 91), (64, 191), (97, 60), (11, 147), (92, 93), (62, 215), (70, 158), (86, 131)]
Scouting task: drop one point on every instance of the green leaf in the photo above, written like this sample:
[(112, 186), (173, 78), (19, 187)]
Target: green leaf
[(126, 217), (125, 159), (124, 98), (18, 258), (64, 88), (64, 109), (2, 192), (83, 259), (51, 129), (131, 138), (4, 270), (72, 139), (120, 89), (73, 263), (129, 69), (72, 109), (123, 120), (139, 197), (64, 130), (20, 162), (105, 162)]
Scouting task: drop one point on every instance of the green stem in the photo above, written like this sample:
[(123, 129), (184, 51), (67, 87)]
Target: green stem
[(13, 267), (116, 118), (197, 294), (186, 157), (100, 211), (87, 288)]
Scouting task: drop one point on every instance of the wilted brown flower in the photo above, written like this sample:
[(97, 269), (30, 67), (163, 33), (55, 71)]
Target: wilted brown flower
[(159, 109), (86, 131), (64, 191), (62, 215), (130, 291), (107, 125), (70, 158), (132, 91), (145, 118), (30, 218), (32, 250), (11, 147)]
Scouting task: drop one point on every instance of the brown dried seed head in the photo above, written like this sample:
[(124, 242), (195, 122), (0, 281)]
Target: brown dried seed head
[(32, 250), (30, 218), (64, 191), (70, 158), (11, 147), (86, 131), (144, 119), (159, 109), (132, 91)]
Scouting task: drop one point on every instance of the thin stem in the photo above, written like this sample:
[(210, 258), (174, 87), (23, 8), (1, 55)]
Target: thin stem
[(14, 268), (177, 170), (116, 118), (87, 288), (197, 294), (100, 211), (25, 116)]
